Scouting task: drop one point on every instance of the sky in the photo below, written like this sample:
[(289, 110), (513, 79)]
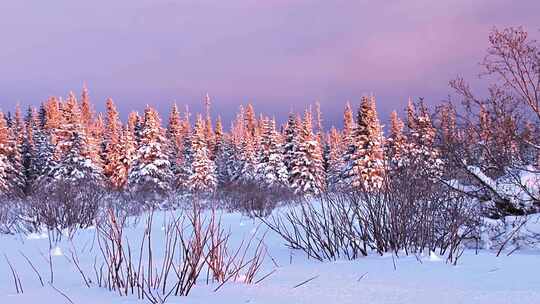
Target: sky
[(280, 55)]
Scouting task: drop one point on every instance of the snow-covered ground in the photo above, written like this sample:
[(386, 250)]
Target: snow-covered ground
[(478, 278)]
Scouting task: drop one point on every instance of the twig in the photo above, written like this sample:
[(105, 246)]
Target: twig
[(34, 268), (265, 276), (16, 279), (306, 281), (361, 277), (63, 294)]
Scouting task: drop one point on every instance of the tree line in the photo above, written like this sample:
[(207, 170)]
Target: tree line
[(486, 148)]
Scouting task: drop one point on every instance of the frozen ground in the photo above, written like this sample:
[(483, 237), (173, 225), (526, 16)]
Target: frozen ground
[(478, 278)]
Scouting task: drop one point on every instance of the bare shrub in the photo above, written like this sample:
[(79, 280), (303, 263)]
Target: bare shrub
[(193, 243), (254, 199), (10, 210), (402, 216), (60, 206)]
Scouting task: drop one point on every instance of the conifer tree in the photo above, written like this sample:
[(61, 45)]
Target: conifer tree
[(203, 177), (73, 150), (29, 151), (208, 129), (250, 121), (135, 123), (348, 126), (335, 160), (174, 129), (113, 156), (271, 170), (224, 155), (87, 114), (292, 141), (365, 167), (119, 173), (17, 134), (151, 175), (248, 158), (5, 164), (422, 152), (307, 175), (396, 143), (45, 139), (185, 157)]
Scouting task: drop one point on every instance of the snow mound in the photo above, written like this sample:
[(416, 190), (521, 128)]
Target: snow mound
[(57, 251)]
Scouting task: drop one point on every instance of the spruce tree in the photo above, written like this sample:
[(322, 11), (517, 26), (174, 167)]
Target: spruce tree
[(113, 156), (335, 160), (396, 148), (150, 176), (203, 176), (271, 170), (119, 169), (5, 164), (292, 141), (307, 176), (422, 152), (365, 167), (17, 134), (75, 163)]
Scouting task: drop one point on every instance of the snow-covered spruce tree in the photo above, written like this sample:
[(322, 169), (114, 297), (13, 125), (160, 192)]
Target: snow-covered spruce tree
[(208, 129), (291, 142), (234, 162), (75, 165), (246, 139), (69, 122), (17, 134), (29, 151), (271, 170), (94, 129), (365, 167), (396, 146), (113, 156), (203, 178), (349, 125), (347, 146), (223, 155), (184, 169), (250, 121), (44, 138), (307, 176), (422, 152), (135, 122), (96, 140), (5, 164), (248, 158), (87, 114), (335, 160), (174, 134), (53, 119), (126, 153), (174, 129), (150, 175)]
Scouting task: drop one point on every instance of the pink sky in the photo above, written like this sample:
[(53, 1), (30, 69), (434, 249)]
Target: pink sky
[(277, 54)]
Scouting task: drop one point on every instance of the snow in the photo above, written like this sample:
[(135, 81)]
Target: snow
[(56, 251), (477, 278)]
